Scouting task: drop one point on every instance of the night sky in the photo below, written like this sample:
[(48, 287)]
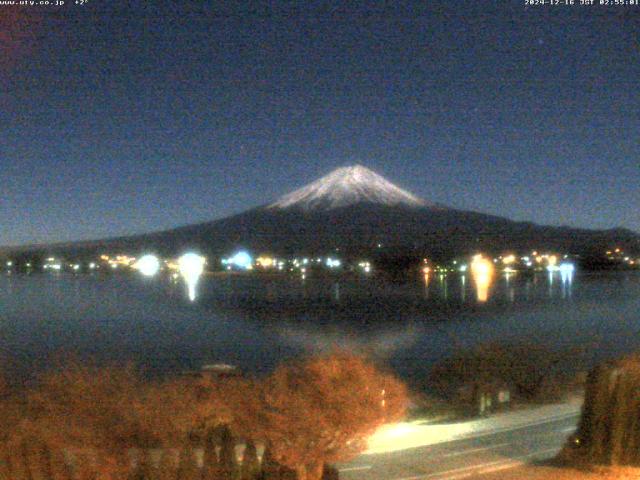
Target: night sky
[(119, 117)]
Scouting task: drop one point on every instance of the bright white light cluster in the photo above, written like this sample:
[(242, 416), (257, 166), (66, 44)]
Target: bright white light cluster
[(365, 266), (333, 262), (148, 265), (52, 264), (567, 268), (241, 259), (191, 266)]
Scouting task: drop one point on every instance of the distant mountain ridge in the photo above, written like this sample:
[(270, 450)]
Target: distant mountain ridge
[(356, 212)]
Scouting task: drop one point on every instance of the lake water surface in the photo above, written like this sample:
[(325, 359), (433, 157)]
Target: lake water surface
[(256, 322)]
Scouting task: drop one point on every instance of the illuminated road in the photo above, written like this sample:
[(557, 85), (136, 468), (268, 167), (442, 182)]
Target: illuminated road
[(468, 457)]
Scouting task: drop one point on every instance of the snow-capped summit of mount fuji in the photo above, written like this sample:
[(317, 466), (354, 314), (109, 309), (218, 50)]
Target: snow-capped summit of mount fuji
[(348, 186)]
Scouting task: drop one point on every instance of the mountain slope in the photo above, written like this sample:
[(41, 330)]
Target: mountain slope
[(357, 212)]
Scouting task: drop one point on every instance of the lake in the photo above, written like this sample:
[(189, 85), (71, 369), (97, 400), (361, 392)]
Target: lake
[(258, 321)]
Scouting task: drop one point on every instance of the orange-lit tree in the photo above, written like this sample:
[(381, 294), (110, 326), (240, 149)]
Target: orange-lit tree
[(100, 414), (318, 411), (77, 410)]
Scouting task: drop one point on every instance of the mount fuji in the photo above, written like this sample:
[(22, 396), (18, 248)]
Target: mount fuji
[(356, 212), (348, 186)]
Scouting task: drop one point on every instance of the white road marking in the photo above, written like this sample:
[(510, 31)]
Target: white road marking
[(485, 432), (517, 427), (473, 450), (355, 469), (464, 472), (491, 466), (556, 433)]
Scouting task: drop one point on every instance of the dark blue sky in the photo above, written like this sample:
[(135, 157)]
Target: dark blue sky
[(120, 117)]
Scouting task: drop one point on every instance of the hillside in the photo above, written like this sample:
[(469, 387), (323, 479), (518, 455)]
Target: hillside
[(354, 211)]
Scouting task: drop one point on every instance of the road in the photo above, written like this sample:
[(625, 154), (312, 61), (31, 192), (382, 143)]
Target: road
[(467, 457)]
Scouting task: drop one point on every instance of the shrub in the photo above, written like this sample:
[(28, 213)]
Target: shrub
[(532, 372), (609, 431)]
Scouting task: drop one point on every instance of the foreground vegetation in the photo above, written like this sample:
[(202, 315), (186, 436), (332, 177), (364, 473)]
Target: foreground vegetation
[(87, 423), (605, 445), (609, 429), (549, 472), (531, 374), (80, 422)]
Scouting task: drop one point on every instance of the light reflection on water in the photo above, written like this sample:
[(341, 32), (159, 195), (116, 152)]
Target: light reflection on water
[(484, 281), (191, 266), (482, 271), (256, 322)]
